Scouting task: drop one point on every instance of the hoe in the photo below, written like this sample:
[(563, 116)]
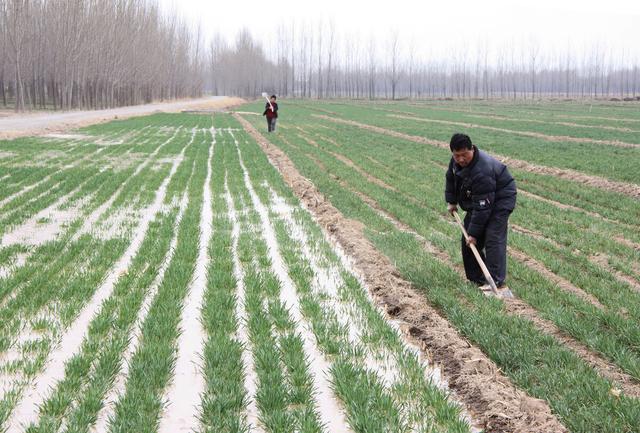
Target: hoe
[(266, 96), (506, 293)]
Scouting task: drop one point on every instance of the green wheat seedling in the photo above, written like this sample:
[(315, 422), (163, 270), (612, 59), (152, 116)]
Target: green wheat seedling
[(485, 322)]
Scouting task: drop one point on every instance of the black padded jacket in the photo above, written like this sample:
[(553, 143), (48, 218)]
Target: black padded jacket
[(481, 187)]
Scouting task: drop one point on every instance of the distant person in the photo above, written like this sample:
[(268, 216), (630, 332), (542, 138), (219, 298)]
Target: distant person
[(271, 111), (483, 187)]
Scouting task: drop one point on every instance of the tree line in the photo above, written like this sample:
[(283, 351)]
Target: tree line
[(65, 54), (317, 61), (92, 54)]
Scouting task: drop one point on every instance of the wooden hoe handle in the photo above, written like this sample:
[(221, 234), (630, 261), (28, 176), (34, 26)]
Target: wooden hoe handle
[(485, 271)]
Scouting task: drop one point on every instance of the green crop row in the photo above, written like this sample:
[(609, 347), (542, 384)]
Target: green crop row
[(524, 353), (391, 409)]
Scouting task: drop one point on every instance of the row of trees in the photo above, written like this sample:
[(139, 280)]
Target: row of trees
[(317, 61), (65, 54)]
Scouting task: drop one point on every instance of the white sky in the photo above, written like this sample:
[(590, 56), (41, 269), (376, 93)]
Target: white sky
[(435, 26)]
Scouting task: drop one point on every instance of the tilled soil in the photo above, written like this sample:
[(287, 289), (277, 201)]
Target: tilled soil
[(489, 395)]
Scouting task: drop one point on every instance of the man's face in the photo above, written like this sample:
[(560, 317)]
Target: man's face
[(273, 100), (463, 157)]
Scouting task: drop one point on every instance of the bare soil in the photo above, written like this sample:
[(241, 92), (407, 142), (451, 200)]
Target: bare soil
[(490, 396)]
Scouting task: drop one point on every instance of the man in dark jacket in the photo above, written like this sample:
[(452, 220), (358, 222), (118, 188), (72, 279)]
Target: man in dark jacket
[(271, 111), (483, 187)]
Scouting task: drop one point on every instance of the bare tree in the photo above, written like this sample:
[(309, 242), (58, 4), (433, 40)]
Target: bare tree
[(393, 50), (320, 64)]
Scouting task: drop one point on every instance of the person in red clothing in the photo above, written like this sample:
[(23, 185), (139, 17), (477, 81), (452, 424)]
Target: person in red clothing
[(271, 111)]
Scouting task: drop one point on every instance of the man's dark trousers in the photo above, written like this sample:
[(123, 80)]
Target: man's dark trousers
[(494, 242), (271, 123)]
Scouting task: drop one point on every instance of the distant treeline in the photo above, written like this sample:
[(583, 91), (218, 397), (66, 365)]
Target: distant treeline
[(64, 54), (316, 61)]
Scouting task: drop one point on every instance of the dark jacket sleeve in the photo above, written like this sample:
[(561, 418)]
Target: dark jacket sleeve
[(275, 110), (483, 198), (266, 108), (450, 186)]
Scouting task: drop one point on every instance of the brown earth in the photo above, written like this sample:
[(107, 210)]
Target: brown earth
[(631, 244), (489, 395), (629, 189)]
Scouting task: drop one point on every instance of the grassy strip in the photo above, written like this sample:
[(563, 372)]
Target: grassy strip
[(67, 176), (224, 402), (619, 333), (285, 390), (84, 388), (362, 389), (89, 373), (588, 158), (78, 279), (419, 176), (412, 396), (534, 361), (611, 334), (139, 408), (79, 284), (548, 127)]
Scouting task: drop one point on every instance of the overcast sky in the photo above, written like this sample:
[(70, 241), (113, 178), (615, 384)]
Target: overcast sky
[(442, 23)]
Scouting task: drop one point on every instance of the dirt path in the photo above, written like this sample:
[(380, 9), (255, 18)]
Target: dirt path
[(55, 122), (490, 396), (629, 189)]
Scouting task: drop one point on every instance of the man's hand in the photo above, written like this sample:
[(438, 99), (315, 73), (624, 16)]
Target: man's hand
[(452, 207), (471, 241)]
